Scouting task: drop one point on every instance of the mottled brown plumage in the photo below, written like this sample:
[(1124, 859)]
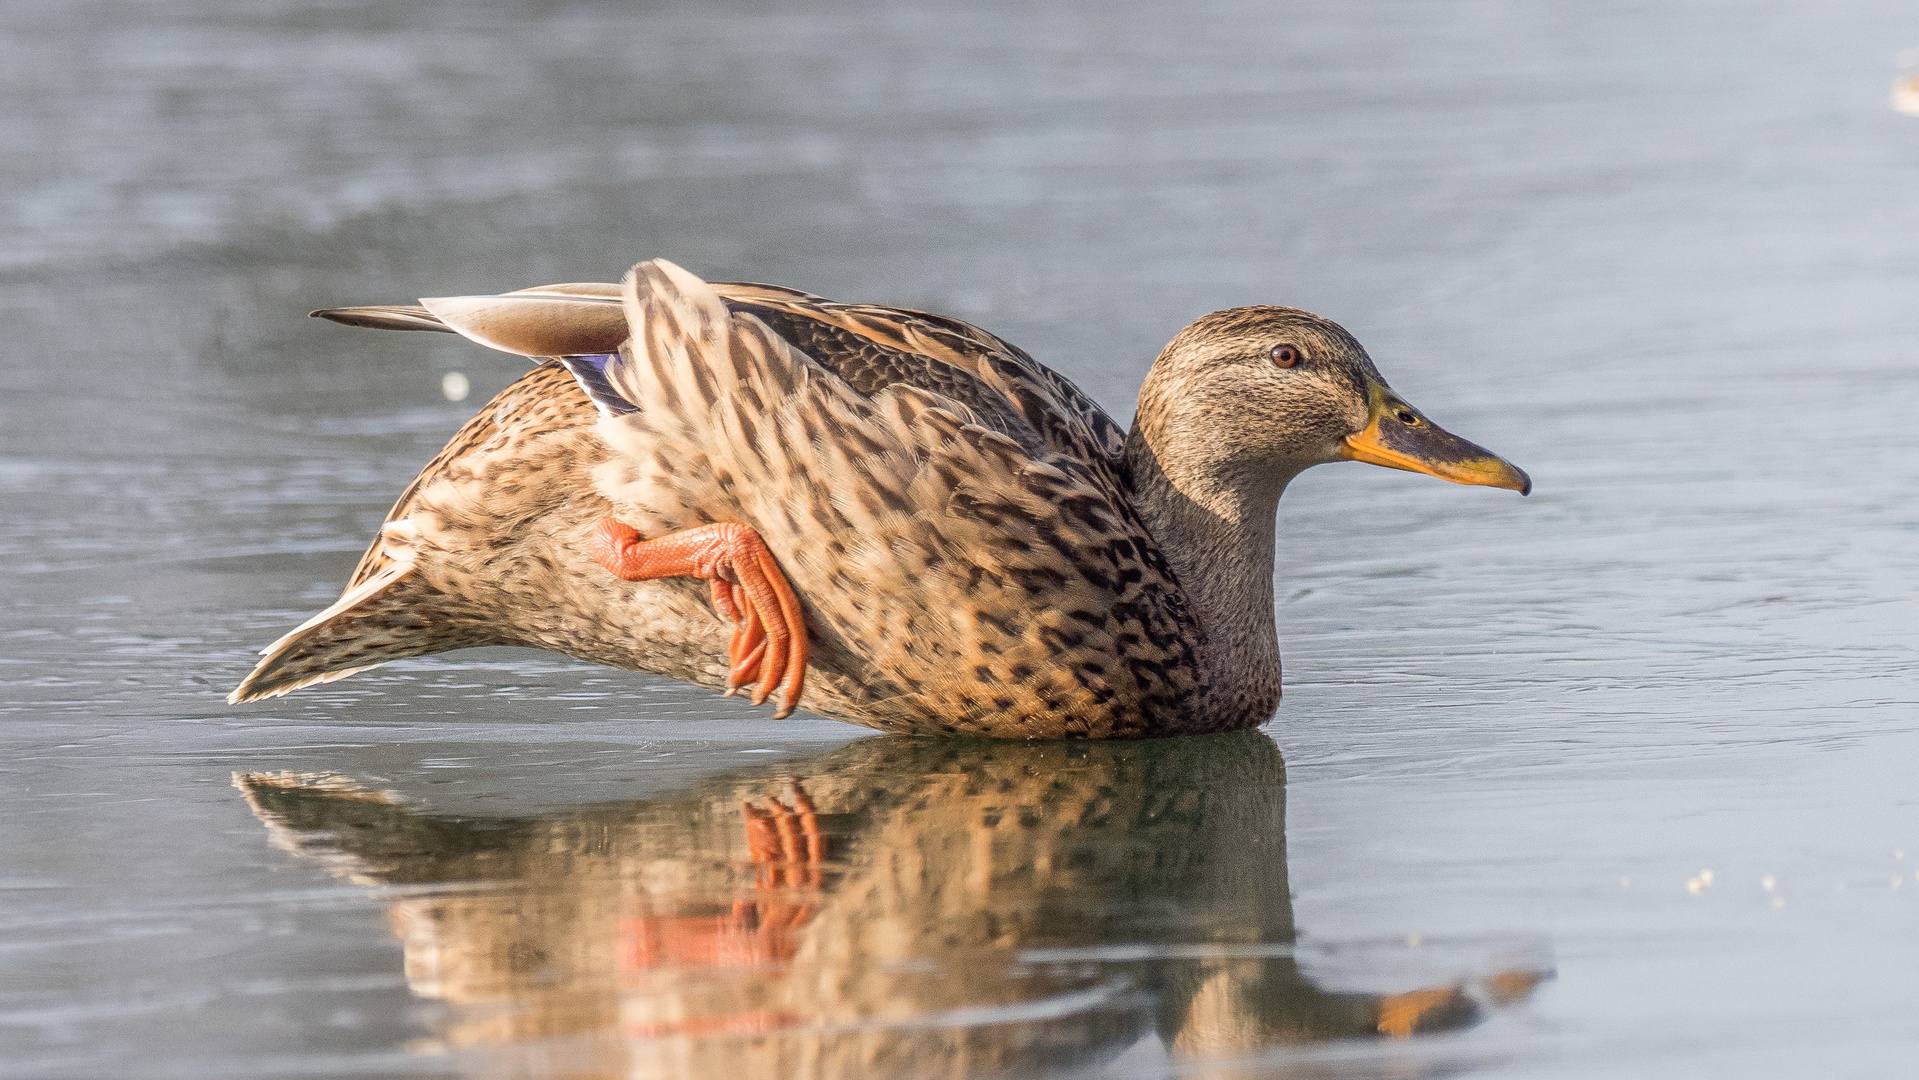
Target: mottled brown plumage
[(977, 547)]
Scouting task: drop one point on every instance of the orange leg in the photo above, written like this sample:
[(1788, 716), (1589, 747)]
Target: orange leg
[(769, 634)]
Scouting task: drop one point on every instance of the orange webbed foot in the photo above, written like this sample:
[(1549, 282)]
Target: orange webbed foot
[(769, 633)]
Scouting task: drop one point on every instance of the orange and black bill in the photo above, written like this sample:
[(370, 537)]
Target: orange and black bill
[(1398, 437)]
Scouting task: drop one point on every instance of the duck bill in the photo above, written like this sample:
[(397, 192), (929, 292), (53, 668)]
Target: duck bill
[(1398, 437)]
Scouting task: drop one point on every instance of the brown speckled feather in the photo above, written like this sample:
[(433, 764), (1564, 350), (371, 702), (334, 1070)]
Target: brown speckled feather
[(919, 344), (490, 546), (964, 578)]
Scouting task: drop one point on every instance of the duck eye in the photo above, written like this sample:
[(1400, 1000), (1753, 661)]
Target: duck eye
[(1285, 355)]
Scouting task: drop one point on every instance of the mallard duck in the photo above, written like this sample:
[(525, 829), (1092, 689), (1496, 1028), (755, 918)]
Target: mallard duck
[(881, 515)]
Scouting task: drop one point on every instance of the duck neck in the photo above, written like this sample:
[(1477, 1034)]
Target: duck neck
[(1214, 524)]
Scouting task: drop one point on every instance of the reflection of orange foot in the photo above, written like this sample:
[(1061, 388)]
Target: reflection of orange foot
[(785, 841), (787, 850), (1419, 1011), (769, 634), (786, 845)]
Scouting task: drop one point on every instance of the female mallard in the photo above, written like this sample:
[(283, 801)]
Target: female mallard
[(901, 520)]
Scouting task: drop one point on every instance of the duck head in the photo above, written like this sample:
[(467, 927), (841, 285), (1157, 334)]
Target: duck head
[(1243, 400)]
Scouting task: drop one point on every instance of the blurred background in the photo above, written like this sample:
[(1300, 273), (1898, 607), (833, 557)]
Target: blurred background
[(1649, 732)]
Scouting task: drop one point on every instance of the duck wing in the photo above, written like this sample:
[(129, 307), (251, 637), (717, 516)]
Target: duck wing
[(871, 347), (981, 580)]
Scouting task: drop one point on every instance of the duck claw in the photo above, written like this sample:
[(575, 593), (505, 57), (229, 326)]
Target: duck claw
[(742, 671), (748, 590)]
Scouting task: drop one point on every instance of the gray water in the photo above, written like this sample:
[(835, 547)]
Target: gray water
[(1612, 781)]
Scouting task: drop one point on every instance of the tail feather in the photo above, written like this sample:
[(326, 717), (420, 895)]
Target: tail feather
[(387, 617), (384, 317), (435, 577)]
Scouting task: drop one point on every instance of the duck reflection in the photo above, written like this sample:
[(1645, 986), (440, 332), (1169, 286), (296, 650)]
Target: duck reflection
[(897, 907)]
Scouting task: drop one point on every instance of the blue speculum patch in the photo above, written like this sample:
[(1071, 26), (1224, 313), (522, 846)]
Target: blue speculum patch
[(590, 372)]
